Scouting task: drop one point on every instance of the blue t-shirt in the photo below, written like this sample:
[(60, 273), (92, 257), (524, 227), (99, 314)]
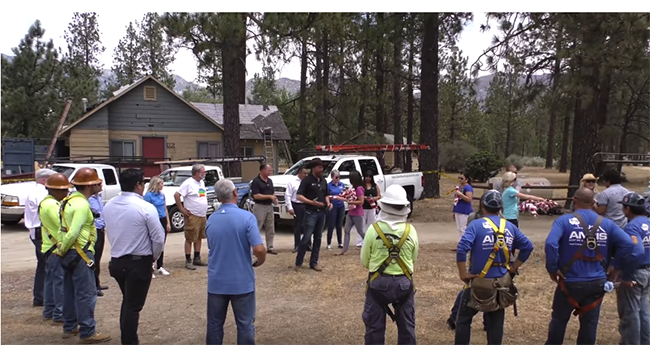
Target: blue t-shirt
[(639, 231), (510, 203), (333, 189), (231, 234), (478, 241), (464, 207), (158, 200), (566, 238)]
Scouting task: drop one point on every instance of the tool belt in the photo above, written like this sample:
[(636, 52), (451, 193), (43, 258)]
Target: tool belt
[(393, 258), (491, 294), (64, 228)]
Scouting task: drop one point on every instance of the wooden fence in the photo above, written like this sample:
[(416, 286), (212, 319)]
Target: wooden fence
[(488, 186)]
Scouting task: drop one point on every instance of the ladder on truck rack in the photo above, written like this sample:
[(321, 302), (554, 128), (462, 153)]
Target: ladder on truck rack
[(267, 136), (372, 148)]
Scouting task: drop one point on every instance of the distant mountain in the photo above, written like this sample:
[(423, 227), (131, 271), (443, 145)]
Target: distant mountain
[(179, 87), (292, 86), (8, 57)]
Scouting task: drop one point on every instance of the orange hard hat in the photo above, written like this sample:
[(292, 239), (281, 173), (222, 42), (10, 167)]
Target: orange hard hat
[(58, 181), (86, 177)]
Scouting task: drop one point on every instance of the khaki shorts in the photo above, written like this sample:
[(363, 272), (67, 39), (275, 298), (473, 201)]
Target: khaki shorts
[(194, 228)]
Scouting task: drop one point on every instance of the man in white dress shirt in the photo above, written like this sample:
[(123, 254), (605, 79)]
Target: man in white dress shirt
[(137, 239), (295, 207), (33, 223)]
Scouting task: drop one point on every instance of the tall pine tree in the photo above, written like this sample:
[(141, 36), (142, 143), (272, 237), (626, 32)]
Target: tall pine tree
[(30, 87), (127, 57), (157, 51)]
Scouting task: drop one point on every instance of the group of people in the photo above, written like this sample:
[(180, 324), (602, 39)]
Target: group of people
[(603, 245)]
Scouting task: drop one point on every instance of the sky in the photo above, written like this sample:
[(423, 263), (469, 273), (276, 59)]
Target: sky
[(112, 25)]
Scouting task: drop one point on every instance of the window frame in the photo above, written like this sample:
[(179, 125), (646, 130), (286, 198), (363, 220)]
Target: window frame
[(122, 142), (208, 143)]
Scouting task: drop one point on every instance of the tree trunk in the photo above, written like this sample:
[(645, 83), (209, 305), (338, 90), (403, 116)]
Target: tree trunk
[(361, 120), (241, 81), (429, 116), (343, 112), (550, 145), (320, 114), (230, 63), (409, 107), (302, 128), (566, 133), (397, 94), (379, 92), (325, 135)]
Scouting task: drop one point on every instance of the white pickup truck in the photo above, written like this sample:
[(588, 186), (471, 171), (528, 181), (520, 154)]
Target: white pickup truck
[(172, 180), (412, 182), (13, 195)]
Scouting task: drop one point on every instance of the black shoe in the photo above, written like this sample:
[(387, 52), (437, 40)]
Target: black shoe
[(451, 324), (100, 293), (38, 304), (103, 287), (340, 246), (309, 249)]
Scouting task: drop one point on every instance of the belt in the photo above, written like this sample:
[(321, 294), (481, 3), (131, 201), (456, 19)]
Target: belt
[(389, 275), (498, 264), (133, 257), (264, 203)]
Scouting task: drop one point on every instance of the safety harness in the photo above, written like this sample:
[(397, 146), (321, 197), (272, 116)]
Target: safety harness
[(393, 258), (590, 243), (499, 244), (52, 238), (65, 226)]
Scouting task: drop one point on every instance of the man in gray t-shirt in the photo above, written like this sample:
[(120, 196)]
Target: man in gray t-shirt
[(608, 201), (499, 184)]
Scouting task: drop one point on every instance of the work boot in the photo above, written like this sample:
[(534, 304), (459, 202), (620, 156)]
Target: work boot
[(68, 335), (317, 268), (189, 266), (451, 324), (272, 251), (197, 261), (95, 338)]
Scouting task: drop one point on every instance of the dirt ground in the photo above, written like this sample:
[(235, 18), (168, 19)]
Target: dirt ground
[(307, 307), (436, 210)]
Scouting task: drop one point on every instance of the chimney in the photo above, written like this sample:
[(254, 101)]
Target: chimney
[(85, 102), (265, 107)]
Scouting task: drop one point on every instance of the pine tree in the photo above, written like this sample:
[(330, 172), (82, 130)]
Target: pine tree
[(81, 62), (31, 104), (157, 52), (127, 57)]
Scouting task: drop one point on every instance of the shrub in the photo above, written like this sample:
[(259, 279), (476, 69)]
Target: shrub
[(483, 165), (453, 156), (534, 161), (515, 160)]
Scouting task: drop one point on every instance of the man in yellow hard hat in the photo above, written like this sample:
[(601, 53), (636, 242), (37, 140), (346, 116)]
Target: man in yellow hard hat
[(57, 186), (77, 258)]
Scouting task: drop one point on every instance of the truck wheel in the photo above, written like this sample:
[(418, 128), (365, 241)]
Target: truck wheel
[(246, 204), (411, 208), (177, 219)]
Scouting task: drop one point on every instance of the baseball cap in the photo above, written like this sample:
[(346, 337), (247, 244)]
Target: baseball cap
[(633, 199), (493, 199)]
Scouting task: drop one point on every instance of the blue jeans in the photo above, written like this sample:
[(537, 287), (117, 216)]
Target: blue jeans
[(312, 224), (335, 220), (385, 290), (493, 323), (79, 294), (584, 293), (53, 291), (634, 310), (243, 306)]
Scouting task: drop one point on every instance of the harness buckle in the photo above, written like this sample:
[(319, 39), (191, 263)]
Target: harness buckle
[(501, 242), (592, 244), (64, 229), (91, 263), (393, 255)]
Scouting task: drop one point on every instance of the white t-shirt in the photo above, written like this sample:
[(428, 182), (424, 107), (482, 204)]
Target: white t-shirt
[(194, 195), (34, 198)]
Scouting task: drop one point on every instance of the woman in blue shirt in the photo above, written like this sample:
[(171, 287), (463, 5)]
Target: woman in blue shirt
[(463, 204), (336, 213), (156, 197), (511, 198)]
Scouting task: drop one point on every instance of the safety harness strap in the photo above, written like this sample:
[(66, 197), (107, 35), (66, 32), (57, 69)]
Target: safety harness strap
[(393, 252), (591, 243), (65, 226), (49, 235), (499, 244)]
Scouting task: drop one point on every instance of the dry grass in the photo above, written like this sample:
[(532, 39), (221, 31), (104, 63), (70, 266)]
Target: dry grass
[(437, 210), (302, 308)]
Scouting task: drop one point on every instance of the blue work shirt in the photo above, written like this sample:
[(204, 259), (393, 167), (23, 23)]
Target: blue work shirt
[(462, 206), (158, 200), (639, 231), (478, 241), (231, 234), (332, 190), (97, 207), (567, 236)]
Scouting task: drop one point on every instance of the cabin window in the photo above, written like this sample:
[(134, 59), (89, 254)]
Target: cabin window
[(150, 93), (247, 151), (120, 148), (208, 149)]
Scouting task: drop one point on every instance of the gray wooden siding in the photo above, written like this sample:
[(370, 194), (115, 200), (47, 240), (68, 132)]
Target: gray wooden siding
[(98, 120), (132, 113)]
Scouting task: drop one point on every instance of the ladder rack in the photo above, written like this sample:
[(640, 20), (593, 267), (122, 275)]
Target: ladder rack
[(372, 148)]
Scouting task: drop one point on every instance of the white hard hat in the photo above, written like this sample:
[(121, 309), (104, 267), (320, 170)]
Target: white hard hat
[(394, 195)]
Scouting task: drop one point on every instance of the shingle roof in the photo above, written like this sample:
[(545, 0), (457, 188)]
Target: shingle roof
[(251, 119)]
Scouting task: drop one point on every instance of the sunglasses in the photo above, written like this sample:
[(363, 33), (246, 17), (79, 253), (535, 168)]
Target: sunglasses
[(461, 178), (337, 177), (590, 181)]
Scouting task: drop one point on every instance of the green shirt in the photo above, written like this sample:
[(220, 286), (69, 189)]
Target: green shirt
[(374, 251), (79, 220), (48, 212)]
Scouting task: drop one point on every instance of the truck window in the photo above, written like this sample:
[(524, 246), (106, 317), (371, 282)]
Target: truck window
[(109, 177), (368, 164), (211, 178), (347, 166)]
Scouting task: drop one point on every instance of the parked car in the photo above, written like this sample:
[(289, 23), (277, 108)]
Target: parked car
[(412, 182), (174, 177), (13, 195)]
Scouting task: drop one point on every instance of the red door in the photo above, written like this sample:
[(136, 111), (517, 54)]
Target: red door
[(153, 150)]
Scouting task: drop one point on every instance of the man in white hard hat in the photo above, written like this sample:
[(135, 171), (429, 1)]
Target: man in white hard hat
[(389, 251)]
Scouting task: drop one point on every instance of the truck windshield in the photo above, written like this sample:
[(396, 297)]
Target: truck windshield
[(175, 178), (328, 165), (67, 171)]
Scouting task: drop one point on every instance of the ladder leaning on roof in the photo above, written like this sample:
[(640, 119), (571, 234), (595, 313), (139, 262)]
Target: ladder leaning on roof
[(267, 137)]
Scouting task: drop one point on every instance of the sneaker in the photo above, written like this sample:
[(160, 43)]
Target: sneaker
[(359, 245), (340, 246), (153, 276), (329, 247), (163, 271), (271, 251), (317, 268), (68, 335), (95, 338), (198, 262), (189, 265), (100, 293)]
